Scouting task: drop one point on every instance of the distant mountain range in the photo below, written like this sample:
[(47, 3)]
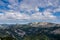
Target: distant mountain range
[(19, 30), (44, 24)]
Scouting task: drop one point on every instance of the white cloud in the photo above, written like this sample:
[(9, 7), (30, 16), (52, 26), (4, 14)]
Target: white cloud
[(21, 16), (28, 6), (44, 16), (16, 15), (57, 10), (49, 15)]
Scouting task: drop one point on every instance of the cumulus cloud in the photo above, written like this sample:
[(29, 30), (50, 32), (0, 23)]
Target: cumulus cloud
[(29, 10), (13, 15), (21, 16)]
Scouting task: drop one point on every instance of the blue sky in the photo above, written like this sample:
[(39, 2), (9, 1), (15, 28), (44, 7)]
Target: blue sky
[(24, 11)]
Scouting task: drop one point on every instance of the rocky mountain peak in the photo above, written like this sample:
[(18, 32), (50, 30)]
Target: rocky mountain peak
[(43, 24)]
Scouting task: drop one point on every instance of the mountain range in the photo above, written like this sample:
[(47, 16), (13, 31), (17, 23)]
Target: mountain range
[(20, 30)]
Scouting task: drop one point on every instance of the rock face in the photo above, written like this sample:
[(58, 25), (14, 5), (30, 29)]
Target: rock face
[(57, 31)]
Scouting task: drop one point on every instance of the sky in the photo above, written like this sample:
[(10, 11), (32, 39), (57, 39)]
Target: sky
[(25, 11)]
